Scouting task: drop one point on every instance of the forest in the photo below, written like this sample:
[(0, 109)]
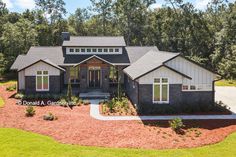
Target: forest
[(206, 36)]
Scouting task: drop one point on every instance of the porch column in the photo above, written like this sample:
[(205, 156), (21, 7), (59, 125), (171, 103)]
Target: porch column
[(83, 78)]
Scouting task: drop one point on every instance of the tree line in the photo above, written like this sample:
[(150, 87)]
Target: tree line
[(206, 36)]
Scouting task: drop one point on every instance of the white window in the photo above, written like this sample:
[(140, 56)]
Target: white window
[(71, 50), (42, 81), (94, 50), (110, 50), (185, 87), (105, 50), (196, 87), (82, 50), (99, 50), (77, 50), (161, 90), (116, 50), (88, 50)]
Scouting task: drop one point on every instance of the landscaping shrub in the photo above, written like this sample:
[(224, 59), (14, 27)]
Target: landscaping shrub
[(19, 96), (50, 117), (30, 112), (11, 88), (80, 102), (176, 124), (87, 102), (63, 102)]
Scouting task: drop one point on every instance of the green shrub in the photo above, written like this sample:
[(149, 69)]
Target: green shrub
[(11, 88), (176, 124), (80, 102), (86, 102), (19, 96), (30, 112), (49, 117), (63, 102)]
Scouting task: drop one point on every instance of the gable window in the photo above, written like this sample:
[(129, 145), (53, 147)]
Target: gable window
[(82, 50), (110, 50), (94, 50), (76, 50), (71, 50), (88, 50), (42, 81), (161, 90), (116, 50), (105, 50), (74, 75)]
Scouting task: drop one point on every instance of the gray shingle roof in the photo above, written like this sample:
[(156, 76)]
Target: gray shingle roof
[(95, 41), (148, 62), (136, 52)]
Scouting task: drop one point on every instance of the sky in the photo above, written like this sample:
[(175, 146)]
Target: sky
[(72, 5)]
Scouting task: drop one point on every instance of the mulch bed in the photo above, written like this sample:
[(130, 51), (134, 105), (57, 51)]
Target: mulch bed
[(77, 127)]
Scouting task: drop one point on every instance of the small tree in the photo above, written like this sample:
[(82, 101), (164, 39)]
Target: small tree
[(69, 91)]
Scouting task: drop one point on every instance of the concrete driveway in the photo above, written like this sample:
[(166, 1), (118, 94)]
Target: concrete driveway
[(227, 95)]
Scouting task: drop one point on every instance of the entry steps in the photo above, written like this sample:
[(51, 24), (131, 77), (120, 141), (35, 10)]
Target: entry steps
[(94, 95)]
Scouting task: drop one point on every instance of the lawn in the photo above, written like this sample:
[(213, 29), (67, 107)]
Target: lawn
[(1, 102), (226, 83), (21, 143)]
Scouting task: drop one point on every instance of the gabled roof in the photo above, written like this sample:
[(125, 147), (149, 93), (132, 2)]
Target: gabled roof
[(147, 63), (94, 56), (98, 41), (47, 61), (136, 52)]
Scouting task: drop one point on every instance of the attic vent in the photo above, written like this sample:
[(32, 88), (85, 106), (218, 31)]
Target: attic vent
[(65, 36)]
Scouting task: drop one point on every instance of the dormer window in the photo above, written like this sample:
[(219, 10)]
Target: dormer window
[(110, 50), (105, 50), (94, 50), (116, 50), (77, 50), (99, 50), (82, 50), (71, 50), (88, 50)]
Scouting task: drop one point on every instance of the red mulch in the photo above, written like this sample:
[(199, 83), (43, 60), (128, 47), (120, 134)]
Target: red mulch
[(77, 127)]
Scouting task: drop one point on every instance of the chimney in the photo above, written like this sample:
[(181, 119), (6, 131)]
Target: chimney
[(65, 36)]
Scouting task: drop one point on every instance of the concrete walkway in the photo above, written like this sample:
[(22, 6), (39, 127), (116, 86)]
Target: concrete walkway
[(94, 112), (227, 95)]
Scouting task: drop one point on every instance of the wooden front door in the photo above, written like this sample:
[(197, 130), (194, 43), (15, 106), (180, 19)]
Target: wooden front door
[(94, 78)]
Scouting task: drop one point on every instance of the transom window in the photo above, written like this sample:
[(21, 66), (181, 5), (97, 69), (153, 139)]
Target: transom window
[(116, 50), (71, 50), (74, 75), (161, 90), (100, 50), (42, 81), (105, 50), (196, 87), (88, 50), (110, 50), (82, 50), (94, 50), (77, 50)]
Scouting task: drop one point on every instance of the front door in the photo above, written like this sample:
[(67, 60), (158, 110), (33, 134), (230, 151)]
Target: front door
[(94, 78)]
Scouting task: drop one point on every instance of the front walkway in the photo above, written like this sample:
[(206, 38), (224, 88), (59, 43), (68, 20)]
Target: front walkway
[(94, 112)]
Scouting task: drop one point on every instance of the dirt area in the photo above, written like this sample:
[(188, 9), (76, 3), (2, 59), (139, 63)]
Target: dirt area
[(77, 127)]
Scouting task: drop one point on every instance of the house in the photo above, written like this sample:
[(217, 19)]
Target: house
[(150, 77)]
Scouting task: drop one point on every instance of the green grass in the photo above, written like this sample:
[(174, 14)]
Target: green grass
[(1, 102), (19, 143), (226, 83)]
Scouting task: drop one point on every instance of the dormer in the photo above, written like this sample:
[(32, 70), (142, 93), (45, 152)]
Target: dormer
[(96, 45)]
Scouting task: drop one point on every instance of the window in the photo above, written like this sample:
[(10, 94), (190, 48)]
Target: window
[(116, 50), (88, 50), (71, 50), (76, 50), (74, 75), (105, 50), (94, 50), (185, 87), (42, 81), (99, 50), (113, 76), (110, 50), (192, 87), (161, 90), (82, 50)]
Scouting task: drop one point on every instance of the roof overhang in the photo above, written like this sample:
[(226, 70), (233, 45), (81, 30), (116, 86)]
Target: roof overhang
[(94, 56), (44, 61)]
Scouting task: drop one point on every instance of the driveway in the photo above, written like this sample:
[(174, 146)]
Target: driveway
[(227, 95)]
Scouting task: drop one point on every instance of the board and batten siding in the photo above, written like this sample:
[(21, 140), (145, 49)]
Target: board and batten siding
[(198, 74), (21, 80), (174, 78), (41, 66)]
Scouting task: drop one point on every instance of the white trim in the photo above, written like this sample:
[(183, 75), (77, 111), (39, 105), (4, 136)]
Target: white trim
[(168, 90), (42, 75), (91, 58)]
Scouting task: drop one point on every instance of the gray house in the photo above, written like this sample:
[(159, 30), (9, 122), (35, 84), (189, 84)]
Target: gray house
[(150, 77)]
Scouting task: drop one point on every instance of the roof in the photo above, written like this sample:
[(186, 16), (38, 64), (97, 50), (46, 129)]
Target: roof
[(47, 61), (95, 41), (136, 52), (94, 56), (54, 54), (148, 62)]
